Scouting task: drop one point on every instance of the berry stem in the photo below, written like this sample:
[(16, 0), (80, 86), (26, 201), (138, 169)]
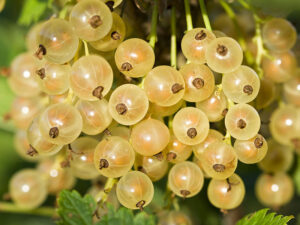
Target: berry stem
[(175, 204), (153, 33), (231, 14), (86, 48), (227, 138), (41, 211), (173, 38), (188, 16), (205, 15), (261, 51), (109, 184)]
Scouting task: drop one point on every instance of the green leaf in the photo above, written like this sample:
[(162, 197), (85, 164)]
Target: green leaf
[(32, 11), (124, 216), (297, 176), (74, 209), (144, 219), (262, 218)]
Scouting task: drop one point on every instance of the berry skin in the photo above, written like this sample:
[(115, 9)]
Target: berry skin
[(58, 178), (60, 123), (219, 160), (280, 67), (57, 41), (53, 78), (135, 190), (28, 189), (224, 55), (242, 121), (149, 137), (155, 167), (95, 116), (22, 79), (212, 137), (279, 35), (185, 179), (91, 19), (241, 85), (291, 90), (128, 104), (24, 110), (190, 126), (215, 106), (91, 77), (226, 194), (274, 190), (176, 151), (164, 90), (279, 158), (199, 82), (82, 158), (113, 157), (114, 37), (38, 144), (134, 57), (252, 150), (194, 44)]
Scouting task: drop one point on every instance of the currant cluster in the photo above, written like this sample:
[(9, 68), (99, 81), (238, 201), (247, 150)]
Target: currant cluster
[(112, 116)]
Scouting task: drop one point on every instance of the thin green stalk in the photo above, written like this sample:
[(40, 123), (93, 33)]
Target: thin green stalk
[(12, 208), (86, 48), (188, 16), (227, 138), (205, 15), (102, 195), (173, 38), (261, 51), (153, 33), (241, 39)]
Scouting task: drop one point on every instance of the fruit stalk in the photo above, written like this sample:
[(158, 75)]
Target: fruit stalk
[(153, 33), (173, 38), (205, 15), (188, 16)]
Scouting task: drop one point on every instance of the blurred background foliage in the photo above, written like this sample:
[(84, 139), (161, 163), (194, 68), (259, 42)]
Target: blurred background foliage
[(16, 19)]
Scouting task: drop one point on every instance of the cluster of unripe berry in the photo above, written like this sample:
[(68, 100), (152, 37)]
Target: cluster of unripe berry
[(79, 119)]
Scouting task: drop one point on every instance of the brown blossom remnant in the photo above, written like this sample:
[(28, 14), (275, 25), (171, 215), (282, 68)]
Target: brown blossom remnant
[(54, 132), (200, 36), (241, 124), (198, 83), (176, 88), (222, 50), (126, 66), (219, 168), (95, 21), (248, 89), (40, 52), (258, 142), (171, 156), (115, 35), (141, 204), (31, 151), (185, 193), (41, 72), (191, 132), (103, 164), (97, 92), (121, 108)]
